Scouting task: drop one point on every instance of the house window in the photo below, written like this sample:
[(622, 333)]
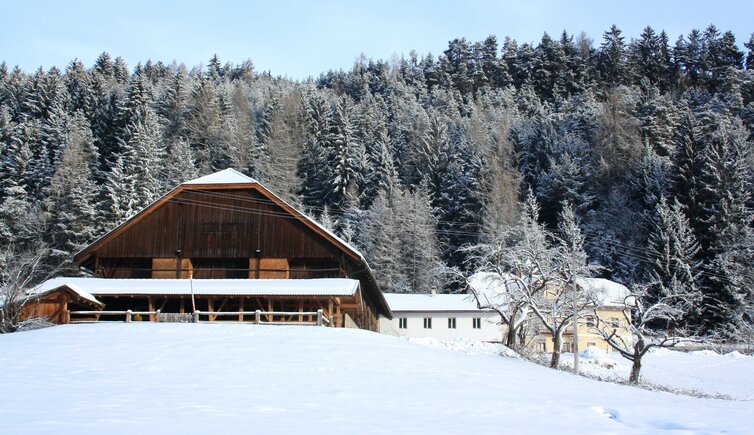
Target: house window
[(566, 347), (541, 346), (614, 322), (402, 323), (591, 344), (590, 321), (477, 322), (451, 323), (427, 323)]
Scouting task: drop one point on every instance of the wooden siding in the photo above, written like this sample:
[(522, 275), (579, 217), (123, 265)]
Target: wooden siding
[(218, 224), (233, 231)]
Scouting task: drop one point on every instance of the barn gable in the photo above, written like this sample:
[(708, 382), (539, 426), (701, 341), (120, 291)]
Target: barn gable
[(229, 226)]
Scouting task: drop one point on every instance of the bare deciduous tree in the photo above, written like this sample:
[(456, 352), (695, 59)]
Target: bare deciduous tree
[(523, 260), (21, 272), (642, 309)]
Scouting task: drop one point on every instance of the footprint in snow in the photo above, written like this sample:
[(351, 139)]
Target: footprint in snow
[(609, 413)]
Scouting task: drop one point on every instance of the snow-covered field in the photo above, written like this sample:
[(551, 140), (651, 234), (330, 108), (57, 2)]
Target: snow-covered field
[(703, 371), (170, 378)]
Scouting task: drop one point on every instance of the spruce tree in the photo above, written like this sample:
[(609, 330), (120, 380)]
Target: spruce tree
[(72, 202), (674, 268)]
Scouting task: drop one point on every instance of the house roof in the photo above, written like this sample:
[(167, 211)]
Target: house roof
[(606, 292), (492, 289), (201, 287), (487, 286), (402, 302)]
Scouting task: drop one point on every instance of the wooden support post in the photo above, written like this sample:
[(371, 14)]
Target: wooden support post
[(319, 317), (301, 310), (337, 318), (331, 313), (210, 308), (128, 316), (64, 310), (196, 316), (182, 306), (240, 310), (150, 304), (257, 316), (269, 309)]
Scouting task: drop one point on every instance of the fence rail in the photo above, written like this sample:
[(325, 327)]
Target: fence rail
[(321, 319), (128, 313)]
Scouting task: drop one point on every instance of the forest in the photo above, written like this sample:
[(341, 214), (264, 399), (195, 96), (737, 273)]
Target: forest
[(421, 161)]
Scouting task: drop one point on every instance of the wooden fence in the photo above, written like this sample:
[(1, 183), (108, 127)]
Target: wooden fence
[(259, 317)]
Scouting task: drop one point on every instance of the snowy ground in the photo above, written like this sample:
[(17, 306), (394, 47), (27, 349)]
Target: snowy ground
[(703, 371), (170, 378)]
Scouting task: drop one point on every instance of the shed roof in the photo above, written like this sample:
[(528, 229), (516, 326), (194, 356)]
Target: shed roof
[(79, 295), (214, 287), (401, 302)]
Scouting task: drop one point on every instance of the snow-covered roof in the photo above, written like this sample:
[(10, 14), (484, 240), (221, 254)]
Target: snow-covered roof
[(488, 286), (606, 292), (226, 176), (427, 303), (230, 287), (85, 296), (491, 289)]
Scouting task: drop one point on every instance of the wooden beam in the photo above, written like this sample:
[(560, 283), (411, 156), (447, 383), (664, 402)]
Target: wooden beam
[(150, 306), (210, 302), (222, 305), (330, 312), (301, 310), (240, 309), (182, 306)]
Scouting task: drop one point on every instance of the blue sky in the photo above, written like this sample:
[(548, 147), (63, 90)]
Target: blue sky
[(305, 38)]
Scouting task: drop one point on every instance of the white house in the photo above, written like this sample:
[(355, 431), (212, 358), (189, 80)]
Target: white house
[(440, 316)]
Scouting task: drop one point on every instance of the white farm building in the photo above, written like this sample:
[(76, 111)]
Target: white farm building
[(440, 316)]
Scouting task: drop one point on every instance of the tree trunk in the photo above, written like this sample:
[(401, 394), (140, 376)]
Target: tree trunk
[(635, 370), (557, 342), (510, 339)]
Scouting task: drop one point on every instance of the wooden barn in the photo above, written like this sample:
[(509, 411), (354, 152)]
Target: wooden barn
[(223, 244)]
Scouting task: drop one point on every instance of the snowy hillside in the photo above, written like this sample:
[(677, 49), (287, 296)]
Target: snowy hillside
[(170, 378)]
